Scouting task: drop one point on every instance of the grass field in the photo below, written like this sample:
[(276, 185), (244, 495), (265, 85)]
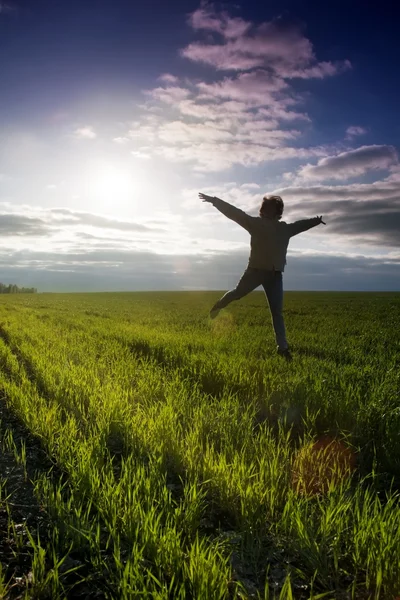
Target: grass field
[(171, 456)]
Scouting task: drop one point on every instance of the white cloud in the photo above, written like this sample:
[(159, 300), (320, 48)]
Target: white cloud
[(217, 156), (277, 45), (256, 88), (169, 95), (141, 155), (236, 119), (85, 133), (169, 78), (206, 18), (250, 186), (354, 131), (178, 132), (121, 140)]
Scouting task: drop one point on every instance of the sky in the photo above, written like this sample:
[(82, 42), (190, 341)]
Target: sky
[(115, 114)]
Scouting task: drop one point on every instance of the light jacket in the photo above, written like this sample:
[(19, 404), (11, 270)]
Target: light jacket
[(269, 237)]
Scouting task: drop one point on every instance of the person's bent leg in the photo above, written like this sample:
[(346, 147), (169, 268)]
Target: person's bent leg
[(249, 281), (273, 288)]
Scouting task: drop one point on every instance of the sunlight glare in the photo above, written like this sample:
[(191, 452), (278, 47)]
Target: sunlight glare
[(113, 181), (110, 187)]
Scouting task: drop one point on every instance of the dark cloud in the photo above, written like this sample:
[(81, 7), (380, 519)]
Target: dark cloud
[(330, 272), (352, 163), (69, 217), (370, 212), (382, 229), (12, 224), (377, 222), (386, 188), (116, 270)]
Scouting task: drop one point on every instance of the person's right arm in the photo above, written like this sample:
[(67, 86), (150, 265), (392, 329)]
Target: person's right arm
[(230, 211)]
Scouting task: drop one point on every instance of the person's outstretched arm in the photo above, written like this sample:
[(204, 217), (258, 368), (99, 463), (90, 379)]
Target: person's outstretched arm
[(304, 225), (236, 214)]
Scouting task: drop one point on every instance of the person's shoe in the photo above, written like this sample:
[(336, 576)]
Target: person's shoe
[(285, 353), (214, 312)]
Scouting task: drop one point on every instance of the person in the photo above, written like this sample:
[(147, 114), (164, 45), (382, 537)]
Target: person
[(269, 242)]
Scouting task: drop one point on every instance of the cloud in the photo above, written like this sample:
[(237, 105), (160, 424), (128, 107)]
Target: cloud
[(169, 95), (66, 216), (352, 163), (256, 88), (206, 18), (250, 186), (361, 215), (213, 157), (360, 192), (7, 8), (20, 225), (85, 133), (278, 46), (367, 214), (168, 78), (178, 132), (121, 140), (62, 230), (106, 270), (235, 119), (36, 221), (223, 132), (338, 271), (354, 131), (140, 154)]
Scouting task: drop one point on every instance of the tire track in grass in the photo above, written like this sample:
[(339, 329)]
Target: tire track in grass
[(44, 391), (24, 362), (35, 560), (51, 483)]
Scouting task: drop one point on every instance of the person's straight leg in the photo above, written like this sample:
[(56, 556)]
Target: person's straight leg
[(249, 281), (273, 288)]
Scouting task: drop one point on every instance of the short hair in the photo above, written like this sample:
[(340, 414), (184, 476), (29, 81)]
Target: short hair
[(277, 200)]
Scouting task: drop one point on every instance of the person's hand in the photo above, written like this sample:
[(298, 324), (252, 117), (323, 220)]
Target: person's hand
[(321, 221), (205, 197)]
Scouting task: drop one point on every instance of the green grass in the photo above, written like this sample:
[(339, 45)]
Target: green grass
[(195, 463)]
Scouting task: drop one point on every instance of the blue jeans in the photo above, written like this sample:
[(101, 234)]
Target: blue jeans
[(273, 288)]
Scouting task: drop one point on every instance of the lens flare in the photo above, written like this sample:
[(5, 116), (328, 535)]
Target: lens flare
[(321, 466)]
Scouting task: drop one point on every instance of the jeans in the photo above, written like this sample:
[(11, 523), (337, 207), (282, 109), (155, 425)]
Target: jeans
[(273, 288)]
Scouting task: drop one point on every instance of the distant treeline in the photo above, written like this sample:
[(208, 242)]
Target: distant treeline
[(14, 289)]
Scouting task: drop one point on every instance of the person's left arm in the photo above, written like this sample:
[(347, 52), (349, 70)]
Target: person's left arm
[(304, 225)]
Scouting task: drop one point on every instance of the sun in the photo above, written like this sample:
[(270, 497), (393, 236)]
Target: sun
[(110, 187), (113, 181), (113, 185)]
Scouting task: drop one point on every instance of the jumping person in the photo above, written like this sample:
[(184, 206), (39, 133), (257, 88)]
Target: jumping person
[(269, 242)]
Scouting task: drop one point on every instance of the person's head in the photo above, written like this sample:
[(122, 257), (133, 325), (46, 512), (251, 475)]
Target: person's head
[(271, 207)]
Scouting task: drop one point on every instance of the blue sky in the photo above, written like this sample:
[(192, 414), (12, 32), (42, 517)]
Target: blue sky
[(113, 115)]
